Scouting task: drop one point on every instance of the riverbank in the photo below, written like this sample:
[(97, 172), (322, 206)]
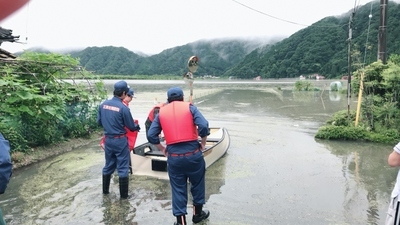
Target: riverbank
[(38, 154)]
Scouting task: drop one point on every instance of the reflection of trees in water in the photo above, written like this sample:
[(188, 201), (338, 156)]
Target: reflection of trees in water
[(306, 96), (365, 170)]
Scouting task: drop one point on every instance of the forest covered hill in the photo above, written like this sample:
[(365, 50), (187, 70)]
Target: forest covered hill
[(216, 57), (320, 48), (323, 47)]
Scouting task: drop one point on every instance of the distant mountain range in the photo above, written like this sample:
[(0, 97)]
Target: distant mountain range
[(321, 48), (216, 57)]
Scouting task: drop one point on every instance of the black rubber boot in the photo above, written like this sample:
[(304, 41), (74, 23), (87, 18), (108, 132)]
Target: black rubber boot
[(106, 184), (180, 220), (199, 214), (123, 187)]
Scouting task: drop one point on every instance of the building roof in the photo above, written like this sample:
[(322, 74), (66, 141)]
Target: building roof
[(6, 55), (6, 36)]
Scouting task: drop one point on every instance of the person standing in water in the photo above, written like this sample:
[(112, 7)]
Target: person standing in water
[(114, 116), (182, 124)]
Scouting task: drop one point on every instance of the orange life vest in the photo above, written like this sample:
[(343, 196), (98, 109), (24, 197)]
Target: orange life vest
[(151, 113), (177, 123), (131, 135)]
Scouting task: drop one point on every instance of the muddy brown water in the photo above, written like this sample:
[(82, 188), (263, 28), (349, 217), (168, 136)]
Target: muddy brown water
[(275, 171)]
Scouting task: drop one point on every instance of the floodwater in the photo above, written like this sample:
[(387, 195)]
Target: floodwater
[(275, 171)]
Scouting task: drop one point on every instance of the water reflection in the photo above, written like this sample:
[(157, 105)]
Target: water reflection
[(367, 177), (335, 96)]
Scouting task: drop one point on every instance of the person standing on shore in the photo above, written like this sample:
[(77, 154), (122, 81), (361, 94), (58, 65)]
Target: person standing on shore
[(5, 169), (114, 116), (182, 124), (393, 217)]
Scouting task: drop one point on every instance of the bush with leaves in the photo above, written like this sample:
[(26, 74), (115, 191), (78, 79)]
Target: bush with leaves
[(34, 94)]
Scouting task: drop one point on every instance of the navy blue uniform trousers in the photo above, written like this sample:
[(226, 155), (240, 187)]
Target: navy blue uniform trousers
[(180, 169), (117, 156)]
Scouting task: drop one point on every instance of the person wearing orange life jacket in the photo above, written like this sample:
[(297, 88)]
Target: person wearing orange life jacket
[(132, 135), (182, 124), (153, 112)]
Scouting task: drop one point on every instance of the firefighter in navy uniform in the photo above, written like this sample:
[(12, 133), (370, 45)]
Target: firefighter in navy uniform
[(182, 124), (113, 116), (5, 168)]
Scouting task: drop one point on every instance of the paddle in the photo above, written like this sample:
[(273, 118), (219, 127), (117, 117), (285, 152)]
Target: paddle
[(188, 77)]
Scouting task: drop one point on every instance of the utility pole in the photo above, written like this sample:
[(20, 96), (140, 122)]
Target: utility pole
[(382, 32), (349, 62)]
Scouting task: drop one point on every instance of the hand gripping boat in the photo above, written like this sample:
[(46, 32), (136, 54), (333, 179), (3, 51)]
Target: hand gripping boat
[(147, 160)]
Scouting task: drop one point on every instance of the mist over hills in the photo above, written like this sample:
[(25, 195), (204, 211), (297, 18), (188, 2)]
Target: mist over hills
[(320, 48), (323, 47), (216, 56)]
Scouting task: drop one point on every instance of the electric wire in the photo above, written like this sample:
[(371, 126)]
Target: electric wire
[(355, 8), (26, 24), (366, 42), (277, 18), (274, 17)]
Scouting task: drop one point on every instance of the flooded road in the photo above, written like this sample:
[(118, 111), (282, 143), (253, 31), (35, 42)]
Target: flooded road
[(275, 172)]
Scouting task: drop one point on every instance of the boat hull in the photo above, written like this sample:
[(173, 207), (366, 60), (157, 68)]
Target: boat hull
[(147, 160)]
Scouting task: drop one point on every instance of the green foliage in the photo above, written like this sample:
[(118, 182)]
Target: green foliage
[(36, 102), (11, 130), (380, 109), (303, 86), (216, 57), (384, 136), (351, 133), (342, 118), (332, 132), (322, 47)]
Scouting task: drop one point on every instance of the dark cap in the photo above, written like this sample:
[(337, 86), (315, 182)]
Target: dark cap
[(130, 92), (121, 86), (174, 93)]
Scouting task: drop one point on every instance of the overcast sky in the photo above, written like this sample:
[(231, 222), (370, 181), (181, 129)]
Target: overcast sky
[(150, 26)]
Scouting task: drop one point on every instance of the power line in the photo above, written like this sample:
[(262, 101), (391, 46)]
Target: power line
[(349, 70), (287, 21), (366, 42), (277, 18)]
